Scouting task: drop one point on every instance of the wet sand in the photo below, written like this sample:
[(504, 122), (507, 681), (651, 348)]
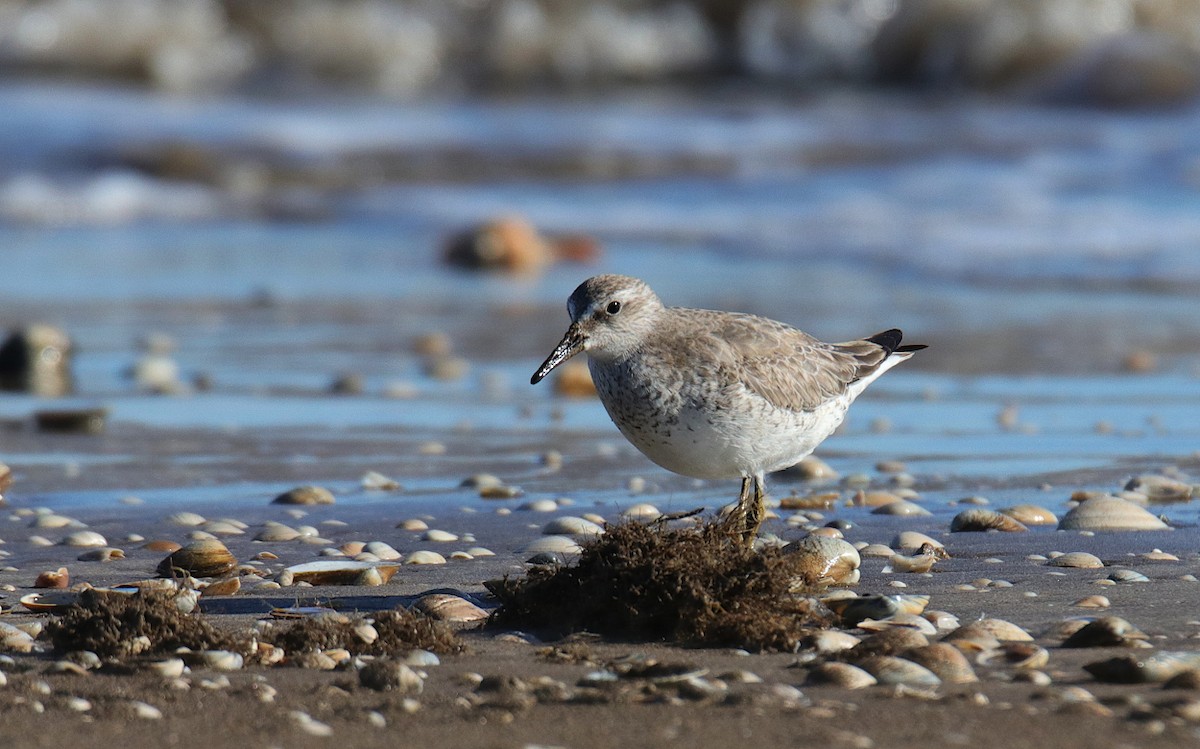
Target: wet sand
[(224, 709)]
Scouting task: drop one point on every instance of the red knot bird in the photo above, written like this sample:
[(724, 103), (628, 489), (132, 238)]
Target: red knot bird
[(716, 395)]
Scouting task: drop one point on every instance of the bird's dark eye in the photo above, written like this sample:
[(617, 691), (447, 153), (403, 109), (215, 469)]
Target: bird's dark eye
[(614, 308)]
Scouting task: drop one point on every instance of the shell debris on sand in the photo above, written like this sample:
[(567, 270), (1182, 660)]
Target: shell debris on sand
[(204, 558)]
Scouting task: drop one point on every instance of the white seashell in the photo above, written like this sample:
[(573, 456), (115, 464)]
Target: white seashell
[(104, 554), (901, 507), (187, 519), (375, 481), (449, 608), (1106, 513), (553, 545), (831, 641), (381, 551), (439, 536), (222, 528), (275, 532), (539, 505), (84, 538), (1078, 559), (337, 572), (642, 511), (425, 557), (51, 521), (14, 640), (479, 551), (568, 525), (1160, 488)]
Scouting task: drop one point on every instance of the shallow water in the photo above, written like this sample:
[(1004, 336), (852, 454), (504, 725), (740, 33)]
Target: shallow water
[(1032, 248)]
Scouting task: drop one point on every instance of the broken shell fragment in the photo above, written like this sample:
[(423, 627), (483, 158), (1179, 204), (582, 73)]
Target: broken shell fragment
[(204, 558), (59, 578), (1108, 513), (823, 561), (976, 520), (342, 572)]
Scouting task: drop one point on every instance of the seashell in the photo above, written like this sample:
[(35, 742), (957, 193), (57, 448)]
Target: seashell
[(449, 608), (901, 507), (572, 526), (50, 520), (340, 572), (305, 495), (1028, 515), (539, 505), (1189, 679), (1142, 669), (830, 641), (1158, 555), (553, 545), (888, 669), (873, 499), (1077, 559), (1106, 631), (1128, 576), (381, 551), (900, 620), (1025, 655), (998, 629), (105, 554), (1093, 602), (217, 660), (822, 561), (813, 501), (207, 558), (187, 519), (84, 538), (890, 641), (977, 520), (227, 587), (161, 545), (375, 481), (15, 640), (945, 661), (424, 557), (59, 578), (942, 621), (854, 610), (919, 564), (385, 674), (642, 512), (841, 675), (1107, 513), (223, 528), (479, 551), (413, 524), (876, 550), (914, 541), (438, 536), (810, 468), (1160, 489), (277, 532)]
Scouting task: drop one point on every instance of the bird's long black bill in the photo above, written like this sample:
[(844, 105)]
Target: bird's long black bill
[(571, 344)]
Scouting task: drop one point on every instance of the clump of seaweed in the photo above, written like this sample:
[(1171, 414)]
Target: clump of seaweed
[(116, 625), (691, 586), (399, 631)]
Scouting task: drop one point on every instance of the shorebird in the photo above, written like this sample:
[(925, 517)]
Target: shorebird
[(716, 395)]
